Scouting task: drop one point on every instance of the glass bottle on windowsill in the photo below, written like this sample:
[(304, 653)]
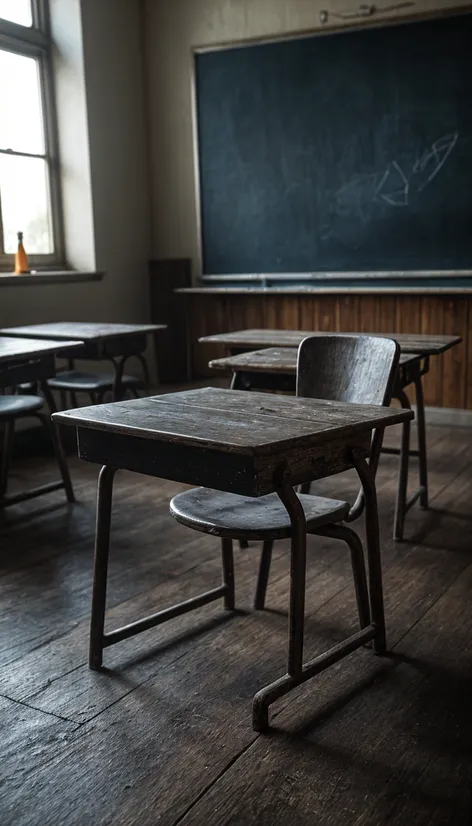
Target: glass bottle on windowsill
[(21, 259)]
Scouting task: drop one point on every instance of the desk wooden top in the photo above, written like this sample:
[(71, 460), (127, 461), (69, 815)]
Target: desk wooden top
[(276, 360), (234, 421), (426, 345), (24, 349), (80, 331)]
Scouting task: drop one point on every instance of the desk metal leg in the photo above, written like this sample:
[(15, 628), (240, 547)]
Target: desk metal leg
[(98, 639), (296, 621), (402, 492), (49, 396), (55, 435), (237, 383), (100, 567), (421, 429), (373, 550), (117, 390), (8, 432)]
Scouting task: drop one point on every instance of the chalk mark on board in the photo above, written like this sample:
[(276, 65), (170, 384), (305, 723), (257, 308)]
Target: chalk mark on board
[(434, 158), (356, 196), (394, 188), (390, 187)]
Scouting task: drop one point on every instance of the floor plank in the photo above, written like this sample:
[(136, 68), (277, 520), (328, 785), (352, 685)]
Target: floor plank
[(164, 734), (397, 751)]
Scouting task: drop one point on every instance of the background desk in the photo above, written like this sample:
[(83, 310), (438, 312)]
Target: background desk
[(114, 342), (449, 382)]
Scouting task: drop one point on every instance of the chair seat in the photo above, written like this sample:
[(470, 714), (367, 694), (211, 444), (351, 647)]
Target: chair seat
[(89, 382), (244, 517), (12, 407)]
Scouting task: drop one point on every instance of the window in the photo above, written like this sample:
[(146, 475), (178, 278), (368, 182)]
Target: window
[(29, 185)]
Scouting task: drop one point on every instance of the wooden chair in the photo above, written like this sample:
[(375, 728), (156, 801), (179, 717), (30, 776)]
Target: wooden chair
[(357, 369)]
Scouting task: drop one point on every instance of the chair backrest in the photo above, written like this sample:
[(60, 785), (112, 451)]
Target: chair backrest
[(347, 368)]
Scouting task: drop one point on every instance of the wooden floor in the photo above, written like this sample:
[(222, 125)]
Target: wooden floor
[(164, 735)]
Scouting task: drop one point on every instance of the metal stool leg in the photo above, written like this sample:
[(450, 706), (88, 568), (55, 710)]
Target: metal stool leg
[(100, 570), (421, 428), (263, 575), (228, 572), (354, 544)]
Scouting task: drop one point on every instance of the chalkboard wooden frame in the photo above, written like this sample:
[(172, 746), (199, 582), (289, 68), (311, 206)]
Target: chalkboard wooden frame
[(335, 26)]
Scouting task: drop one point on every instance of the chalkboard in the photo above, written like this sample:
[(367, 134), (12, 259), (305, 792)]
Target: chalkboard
[(343, 152)]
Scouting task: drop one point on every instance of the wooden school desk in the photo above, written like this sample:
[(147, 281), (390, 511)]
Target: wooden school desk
[(111, 342), (24, 361), (239, 443)]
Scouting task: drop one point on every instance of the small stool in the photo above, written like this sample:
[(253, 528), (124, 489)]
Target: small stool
[(95, 384), (11, 409)]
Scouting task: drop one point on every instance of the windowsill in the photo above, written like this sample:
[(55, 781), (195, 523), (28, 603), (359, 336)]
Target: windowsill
[(47, 277)]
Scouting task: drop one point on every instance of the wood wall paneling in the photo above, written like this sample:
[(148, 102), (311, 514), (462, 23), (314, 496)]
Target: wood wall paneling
[(454, 361), (432, 316)]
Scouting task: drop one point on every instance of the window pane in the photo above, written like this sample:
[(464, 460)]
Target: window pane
[(25, 204), (21, 120), (18, 11)]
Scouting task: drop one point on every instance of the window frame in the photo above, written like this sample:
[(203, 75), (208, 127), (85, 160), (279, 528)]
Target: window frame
[(35, 41)]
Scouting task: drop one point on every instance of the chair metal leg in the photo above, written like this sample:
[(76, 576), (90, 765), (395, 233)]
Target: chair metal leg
[(8, 434), (263, 575), (100, 568), (421, 428), (55, 436), (352, 540), (228, 572), (367, 479), (63, 397), (401, 506)]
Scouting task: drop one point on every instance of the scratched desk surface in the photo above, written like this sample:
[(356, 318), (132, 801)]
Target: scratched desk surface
[(426, 345), (78, 330), (23, 349), (233, 421)]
